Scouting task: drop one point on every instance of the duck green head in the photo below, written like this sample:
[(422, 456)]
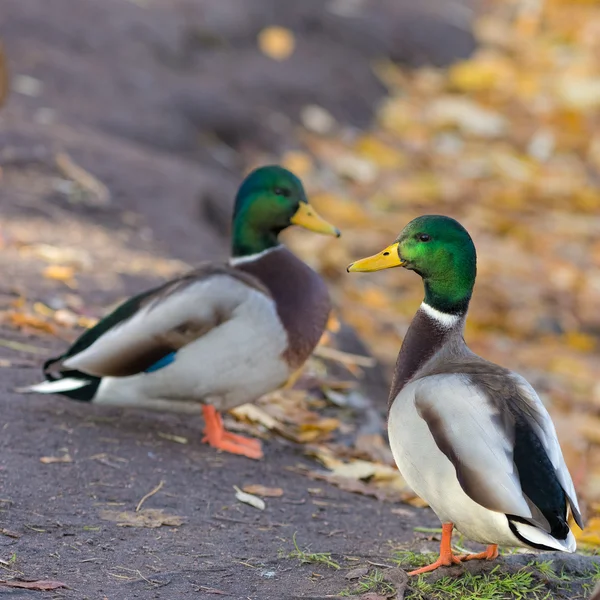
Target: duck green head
[(441, 251), (269, 200)]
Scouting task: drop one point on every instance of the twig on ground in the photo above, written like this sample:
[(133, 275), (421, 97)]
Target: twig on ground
[(149, 495)]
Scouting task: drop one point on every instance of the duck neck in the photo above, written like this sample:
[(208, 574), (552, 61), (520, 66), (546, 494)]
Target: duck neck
[(248, 241), (450, 295), (430, 330)]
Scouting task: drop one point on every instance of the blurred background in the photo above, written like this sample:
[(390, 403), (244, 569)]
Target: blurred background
[(130, 123)]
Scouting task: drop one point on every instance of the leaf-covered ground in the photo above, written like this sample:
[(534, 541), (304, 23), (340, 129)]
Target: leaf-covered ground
[(125, 504)]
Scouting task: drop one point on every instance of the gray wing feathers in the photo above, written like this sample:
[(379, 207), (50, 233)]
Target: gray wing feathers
[(165, 324), (472, 423), (468, 429)]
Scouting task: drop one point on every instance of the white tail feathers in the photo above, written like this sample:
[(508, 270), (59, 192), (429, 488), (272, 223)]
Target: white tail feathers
[(55, 387), (541, 538)]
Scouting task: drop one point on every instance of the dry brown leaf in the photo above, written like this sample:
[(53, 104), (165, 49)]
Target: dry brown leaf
[(356, 486), (260, 490), (373, 447), (148, 517)]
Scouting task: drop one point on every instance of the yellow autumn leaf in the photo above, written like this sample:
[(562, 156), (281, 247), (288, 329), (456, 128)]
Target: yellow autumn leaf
[(580, 341), (483, 73), (60, 273), (342, 211), (300, 163), (381, 153), (420, 188), (24, 321), (590, 536), (310, 432), (276, 42)]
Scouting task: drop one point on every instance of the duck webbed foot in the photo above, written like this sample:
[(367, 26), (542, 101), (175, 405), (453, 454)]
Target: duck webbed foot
[(490, 553), (447, 558), (217, 437)]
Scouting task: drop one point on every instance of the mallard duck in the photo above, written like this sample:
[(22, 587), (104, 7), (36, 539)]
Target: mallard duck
[(218, 337), (470, 437)]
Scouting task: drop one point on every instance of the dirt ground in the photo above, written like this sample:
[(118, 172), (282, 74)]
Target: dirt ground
[(134, 93)]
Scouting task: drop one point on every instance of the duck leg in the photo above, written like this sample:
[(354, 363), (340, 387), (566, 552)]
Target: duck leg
[(446, 557), (217, 437), (490, 553)]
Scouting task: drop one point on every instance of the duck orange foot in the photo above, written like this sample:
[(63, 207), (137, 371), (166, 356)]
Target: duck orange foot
[(221, 439), (447, 558)]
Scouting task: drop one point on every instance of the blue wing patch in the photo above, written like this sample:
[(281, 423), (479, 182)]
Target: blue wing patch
[(165, 361)]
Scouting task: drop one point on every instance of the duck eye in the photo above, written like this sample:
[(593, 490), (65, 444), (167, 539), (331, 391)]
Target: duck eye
[(282, 192), (424, 237)]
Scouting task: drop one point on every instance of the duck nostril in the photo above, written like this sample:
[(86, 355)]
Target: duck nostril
[(386, 253)]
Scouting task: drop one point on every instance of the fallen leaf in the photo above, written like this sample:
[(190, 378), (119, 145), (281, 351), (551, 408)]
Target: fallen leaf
[(416, 502), (60, 273), (276, 42), (356, 486), (148, 517), (590, 536), (48, 460), (483, 72), (312, 432), (250, 499), (375, 448), (57, 255), (299, 163), (467, 115), (261, 490), (381, 481), (345, 358), (44, 585), (254, 414), (23, 320)]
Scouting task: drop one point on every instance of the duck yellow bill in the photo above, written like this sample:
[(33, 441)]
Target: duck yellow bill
[(307, 217), (386, 259)]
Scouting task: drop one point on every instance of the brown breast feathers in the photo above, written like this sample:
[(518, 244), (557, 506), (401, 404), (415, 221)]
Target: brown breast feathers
[(301, 297)]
